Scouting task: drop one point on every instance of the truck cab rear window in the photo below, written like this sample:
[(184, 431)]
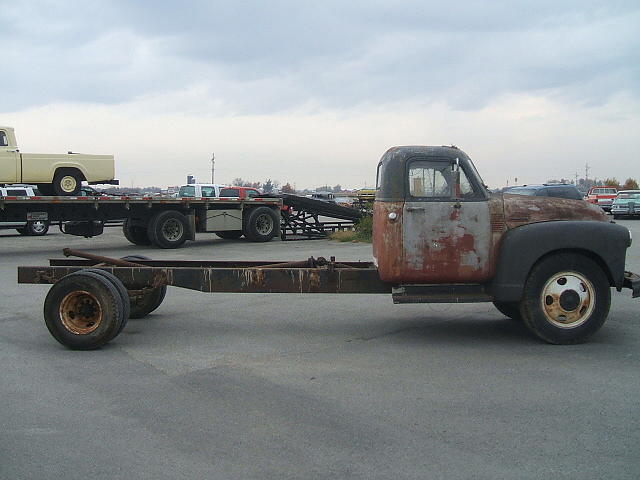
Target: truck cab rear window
[(187, 191), (3, 139), (229, 192)]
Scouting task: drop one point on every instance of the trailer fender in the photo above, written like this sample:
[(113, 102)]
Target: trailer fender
[(522, 247)]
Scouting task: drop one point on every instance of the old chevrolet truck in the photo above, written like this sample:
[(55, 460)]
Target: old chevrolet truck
[(55, 174), (439, 236)]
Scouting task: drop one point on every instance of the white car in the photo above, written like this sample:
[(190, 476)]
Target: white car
[(200, 190), (33, 226)]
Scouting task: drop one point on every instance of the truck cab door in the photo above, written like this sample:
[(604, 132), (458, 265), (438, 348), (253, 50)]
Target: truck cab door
[(9, 160), (446, 226)]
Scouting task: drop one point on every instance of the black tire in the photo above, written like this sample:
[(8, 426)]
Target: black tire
[(36, 228), (67, 181), (262, 224), (122, 291), (144, 301), (168, 229), (136, 234), (230, 234), (83, 311), (566, 299), (616, 217), (509, 309)]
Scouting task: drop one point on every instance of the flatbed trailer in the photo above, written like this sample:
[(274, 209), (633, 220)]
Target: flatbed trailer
[(163, 222)]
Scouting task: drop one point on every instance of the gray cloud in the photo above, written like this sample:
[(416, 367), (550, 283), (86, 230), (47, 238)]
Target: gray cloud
[(260, 57)]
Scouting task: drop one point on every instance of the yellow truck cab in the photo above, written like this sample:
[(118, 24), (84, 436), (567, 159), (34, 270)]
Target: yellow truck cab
[(55, 174)]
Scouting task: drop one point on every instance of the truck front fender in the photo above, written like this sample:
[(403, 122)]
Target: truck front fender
[(523, 246)]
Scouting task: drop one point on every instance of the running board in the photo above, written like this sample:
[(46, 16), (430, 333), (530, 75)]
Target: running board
[(452, 293)]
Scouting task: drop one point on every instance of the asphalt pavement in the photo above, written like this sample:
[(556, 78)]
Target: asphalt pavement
[(283, 386)]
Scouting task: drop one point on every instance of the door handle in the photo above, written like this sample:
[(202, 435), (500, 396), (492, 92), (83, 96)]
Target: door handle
[(415, 209)]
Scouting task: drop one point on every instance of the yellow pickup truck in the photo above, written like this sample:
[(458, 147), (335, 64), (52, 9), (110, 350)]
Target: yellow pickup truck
[(55, 174)]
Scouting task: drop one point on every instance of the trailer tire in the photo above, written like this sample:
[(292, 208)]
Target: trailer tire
[(566, 299), (230, 234), (168, 229), (145, 303), (262, 225), (83, 311), (67, 181), (122, 291), (136, 234), (142, 304), (509, 309)]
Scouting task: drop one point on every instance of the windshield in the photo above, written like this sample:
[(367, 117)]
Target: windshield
[(627, 196), (187, 191)]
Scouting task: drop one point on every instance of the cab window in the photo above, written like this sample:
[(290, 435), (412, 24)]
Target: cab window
[(252, 193), (229, 192), (431, 179), (3, 139), (187, 191), (208, 191)]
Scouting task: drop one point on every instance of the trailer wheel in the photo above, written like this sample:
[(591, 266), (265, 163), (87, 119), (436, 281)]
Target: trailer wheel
[(566, 299), (262, 225), (168, 229), (122, 291), (136, 234), (509, 309), (230, 234), (146, 301), (83, 311), (36, 228), (67, 181)]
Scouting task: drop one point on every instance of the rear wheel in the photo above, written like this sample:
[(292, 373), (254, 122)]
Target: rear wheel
[(145, 300), (37, 228), (136, 234), (262, 224), (168, 229), (230, 234), (67, 182), (83, 311), (566, 299)]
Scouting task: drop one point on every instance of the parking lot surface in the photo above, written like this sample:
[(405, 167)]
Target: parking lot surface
[(309, 386)]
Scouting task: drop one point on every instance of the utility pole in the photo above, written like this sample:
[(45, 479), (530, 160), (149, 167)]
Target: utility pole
[(576, 184), (213, 166), (586, 171)]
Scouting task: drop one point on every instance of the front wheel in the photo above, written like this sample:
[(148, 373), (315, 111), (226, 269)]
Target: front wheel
[(36, 228), (566, 299)]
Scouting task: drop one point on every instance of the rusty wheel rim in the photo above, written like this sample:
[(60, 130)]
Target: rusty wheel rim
[(568, 299), (264, 224), (80, 312)]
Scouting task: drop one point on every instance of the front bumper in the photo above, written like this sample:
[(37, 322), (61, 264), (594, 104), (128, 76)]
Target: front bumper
[(632, 281)]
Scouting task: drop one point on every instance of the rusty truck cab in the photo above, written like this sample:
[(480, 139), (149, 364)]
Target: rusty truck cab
[(434, 220)]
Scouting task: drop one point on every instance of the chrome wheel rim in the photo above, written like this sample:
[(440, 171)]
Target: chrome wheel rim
[(172, 230), (264, 224), (567, 299), (38, 226)]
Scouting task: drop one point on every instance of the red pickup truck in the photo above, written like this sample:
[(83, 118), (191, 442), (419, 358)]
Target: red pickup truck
[(602, 196)]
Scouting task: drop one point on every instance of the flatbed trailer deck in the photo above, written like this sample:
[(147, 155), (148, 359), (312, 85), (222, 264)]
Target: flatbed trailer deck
[(159, 221)]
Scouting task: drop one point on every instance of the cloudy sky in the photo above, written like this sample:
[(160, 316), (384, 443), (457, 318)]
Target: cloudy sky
[(314, 92)]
